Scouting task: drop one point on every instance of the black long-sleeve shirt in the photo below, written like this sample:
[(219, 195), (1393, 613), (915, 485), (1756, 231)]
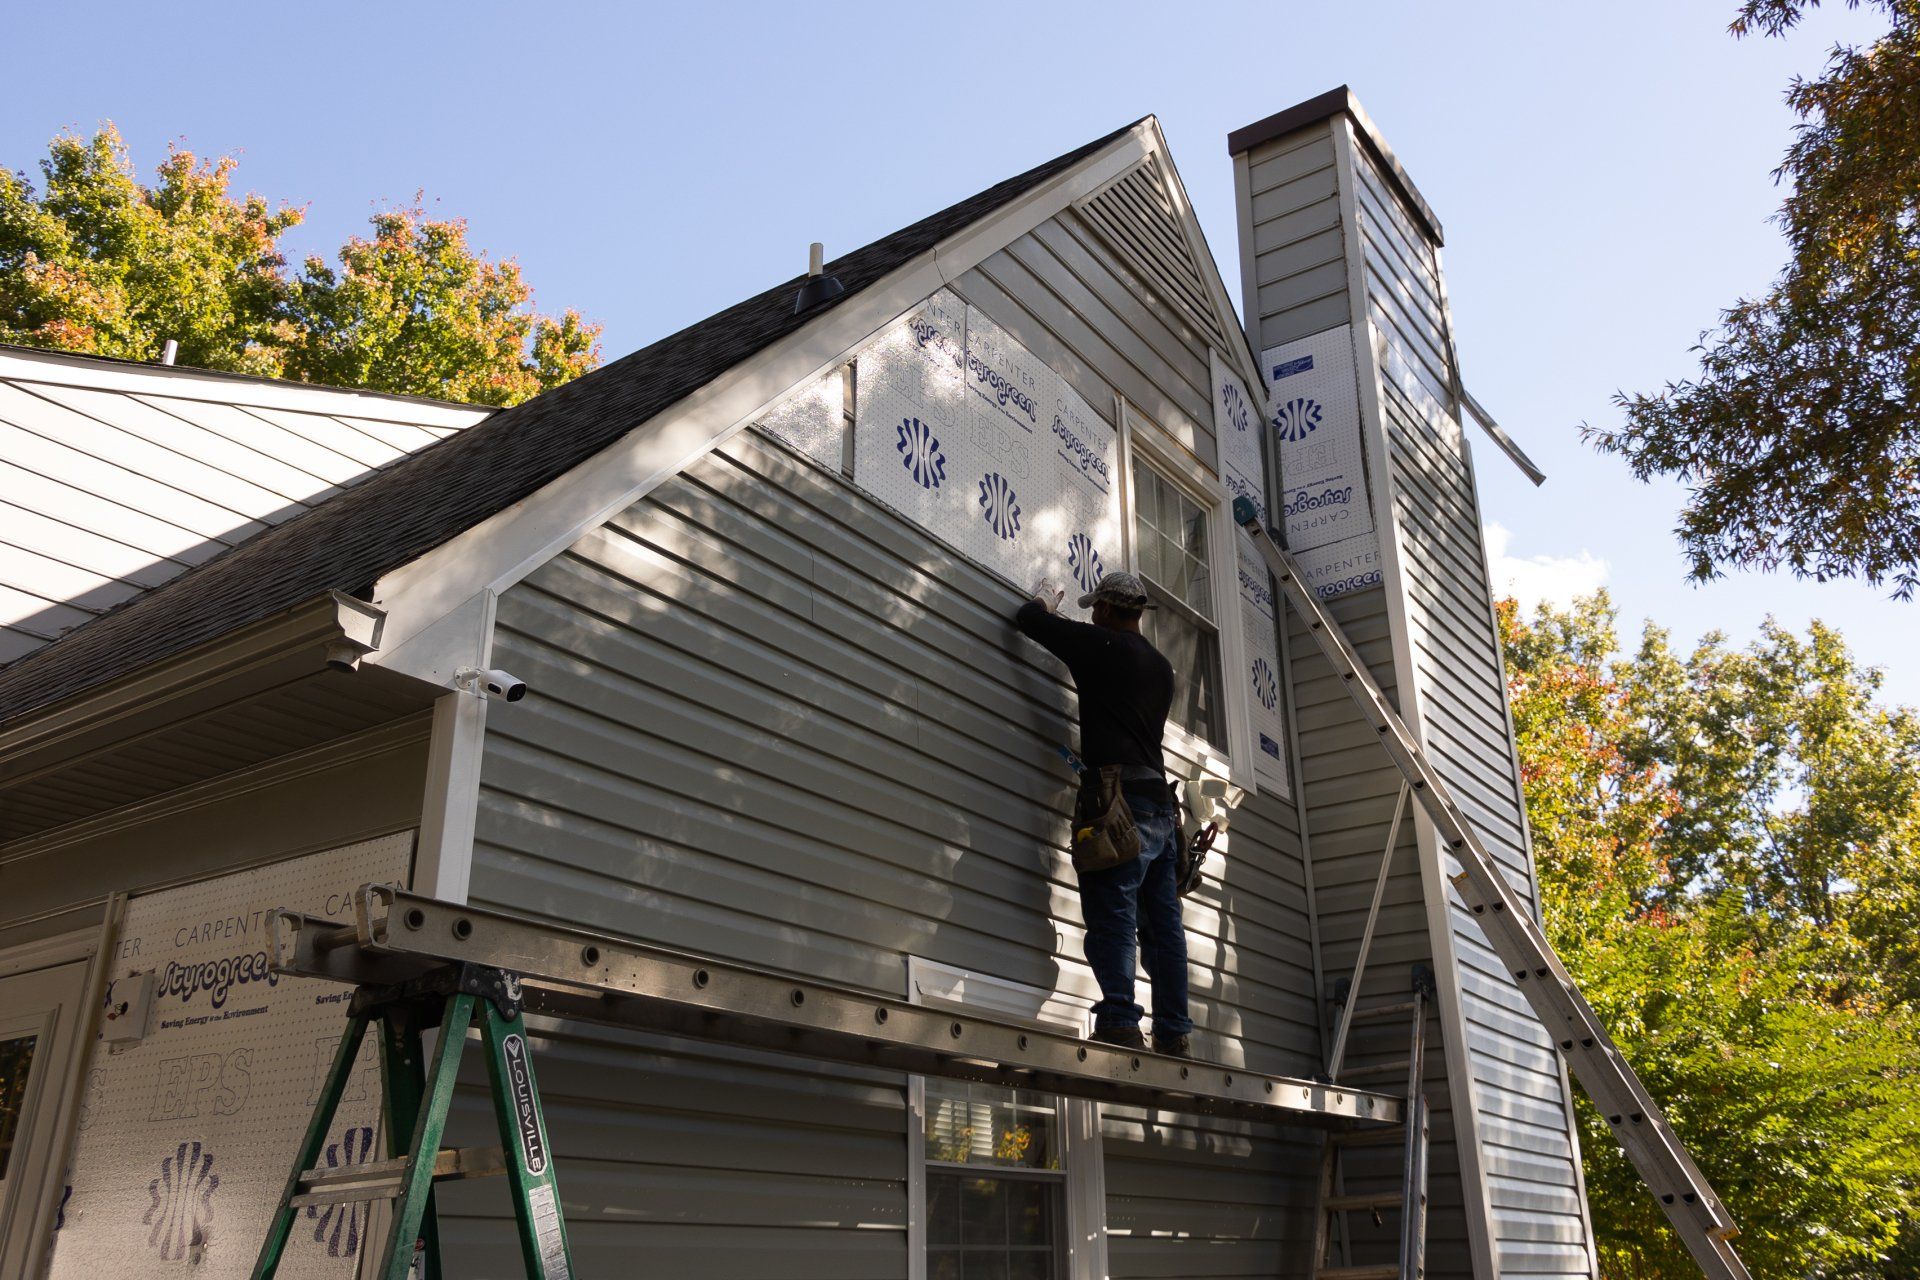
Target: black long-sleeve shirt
[(1126, 687)]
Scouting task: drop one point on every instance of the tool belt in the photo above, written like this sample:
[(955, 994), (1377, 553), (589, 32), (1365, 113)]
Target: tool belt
[(1104, 834)]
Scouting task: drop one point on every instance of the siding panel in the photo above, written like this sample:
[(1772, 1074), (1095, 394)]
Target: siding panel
[(1527, 1150), (772, 722)]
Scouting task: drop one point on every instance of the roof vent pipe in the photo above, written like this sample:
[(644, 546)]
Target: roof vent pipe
[(168, 352), (819, 286)]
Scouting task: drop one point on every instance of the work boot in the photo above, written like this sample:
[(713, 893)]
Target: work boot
[(1171, 1046), (1124, 1037)]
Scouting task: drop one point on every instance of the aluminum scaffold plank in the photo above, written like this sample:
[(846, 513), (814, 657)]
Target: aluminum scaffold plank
[(398, 937)]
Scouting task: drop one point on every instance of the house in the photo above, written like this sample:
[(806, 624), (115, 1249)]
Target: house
[(756, 580)]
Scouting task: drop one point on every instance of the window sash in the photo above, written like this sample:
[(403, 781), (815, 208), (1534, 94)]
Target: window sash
[(1168, 522), (1173, 549)]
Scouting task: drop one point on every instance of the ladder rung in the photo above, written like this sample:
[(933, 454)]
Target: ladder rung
[(1399, 1068), (1390, 1271), (383, 1179), (1380, 1011), (1344, 1204), (373, 1180)]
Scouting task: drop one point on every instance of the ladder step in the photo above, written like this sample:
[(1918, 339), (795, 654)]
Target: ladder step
[(1344, 1204), (1390, 1271), (1399, 1068), (384, 1179), (1379, 1011)]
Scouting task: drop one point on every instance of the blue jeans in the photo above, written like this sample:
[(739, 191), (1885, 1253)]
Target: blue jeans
[(1140, 897)]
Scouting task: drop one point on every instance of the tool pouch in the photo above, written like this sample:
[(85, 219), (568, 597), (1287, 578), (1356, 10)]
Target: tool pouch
[(1103, 831), (1186, 858)]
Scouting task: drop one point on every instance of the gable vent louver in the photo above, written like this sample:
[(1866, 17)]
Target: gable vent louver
[(1135, 215)]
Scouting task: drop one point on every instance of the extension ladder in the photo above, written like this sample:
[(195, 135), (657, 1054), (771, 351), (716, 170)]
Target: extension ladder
[(415, 1101), (1690, 1204), (1410, 1201)]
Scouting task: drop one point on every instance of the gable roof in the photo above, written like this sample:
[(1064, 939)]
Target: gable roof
[(349, 541)]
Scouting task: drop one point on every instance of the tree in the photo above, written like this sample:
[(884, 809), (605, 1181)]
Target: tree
[(1727, 844), (98, 263), (414, 306), (1800, 437)]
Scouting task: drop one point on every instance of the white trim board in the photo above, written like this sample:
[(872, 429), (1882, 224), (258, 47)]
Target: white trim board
[(501, 550), (182, 383)]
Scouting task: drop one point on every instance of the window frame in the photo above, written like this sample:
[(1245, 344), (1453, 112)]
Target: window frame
[(1144, 442), (1083, 1171)]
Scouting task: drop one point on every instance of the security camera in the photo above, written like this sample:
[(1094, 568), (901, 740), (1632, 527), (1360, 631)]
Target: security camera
[(344, 655), (502, 686)]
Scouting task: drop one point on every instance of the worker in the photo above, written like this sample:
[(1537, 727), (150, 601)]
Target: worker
[(1126, 690)]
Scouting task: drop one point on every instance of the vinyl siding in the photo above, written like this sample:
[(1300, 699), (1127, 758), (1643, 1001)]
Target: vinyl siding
[(1299, 281), (778, 725), (704, 1161), (1298, 272), (1530, 1162), (770, 721), (1349, 788), (118, 477), (1189, 1197), (1061, 292), (1299, 286)]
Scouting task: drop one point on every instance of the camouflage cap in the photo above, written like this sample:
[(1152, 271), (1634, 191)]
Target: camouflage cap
[(1118, 587)]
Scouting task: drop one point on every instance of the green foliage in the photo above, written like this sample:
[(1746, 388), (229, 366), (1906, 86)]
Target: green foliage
[(414, 306), (101, 264), (1728, 845), (1800, 437), (98, 263)]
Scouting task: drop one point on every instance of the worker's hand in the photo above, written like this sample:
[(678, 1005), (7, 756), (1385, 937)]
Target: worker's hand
[(1048, 595)]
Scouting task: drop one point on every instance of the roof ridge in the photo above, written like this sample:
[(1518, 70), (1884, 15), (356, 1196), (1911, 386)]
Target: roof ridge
[(126, 364)]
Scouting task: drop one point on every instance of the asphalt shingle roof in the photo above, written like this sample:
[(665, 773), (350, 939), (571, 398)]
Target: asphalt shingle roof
[(348, 542)]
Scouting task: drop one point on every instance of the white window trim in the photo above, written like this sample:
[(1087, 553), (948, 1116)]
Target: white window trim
[(947, 987), (1165, 455)]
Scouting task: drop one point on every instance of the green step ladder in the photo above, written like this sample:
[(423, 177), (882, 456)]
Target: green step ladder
[(415, 1097)]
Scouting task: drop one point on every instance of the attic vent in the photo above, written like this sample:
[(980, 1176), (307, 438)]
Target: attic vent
[(1135, 214)]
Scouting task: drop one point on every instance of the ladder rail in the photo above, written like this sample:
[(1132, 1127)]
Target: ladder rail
[(1413, 1188), (1411, 1198), (1338, 1054), (1682, 1191)]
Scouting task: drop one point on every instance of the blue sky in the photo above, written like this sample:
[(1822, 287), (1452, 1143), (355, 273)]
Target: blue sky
[(1603, 172)]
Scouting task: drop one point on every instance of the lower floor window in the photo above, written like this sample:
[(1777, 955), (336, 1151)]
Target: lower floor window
[(994, 1227), (996, 1184)]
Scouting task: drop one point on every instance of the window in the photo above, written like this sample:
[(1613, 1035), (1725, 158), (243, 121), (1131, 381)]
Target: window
[(996, 1184), (1002, 1183), (16, 1061), (1175, 559)]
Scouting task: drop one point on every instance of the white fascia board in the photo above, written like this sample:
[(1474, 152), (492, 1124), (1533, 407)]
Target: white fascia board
[(450, 800), (61, 369), (499, 551)]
